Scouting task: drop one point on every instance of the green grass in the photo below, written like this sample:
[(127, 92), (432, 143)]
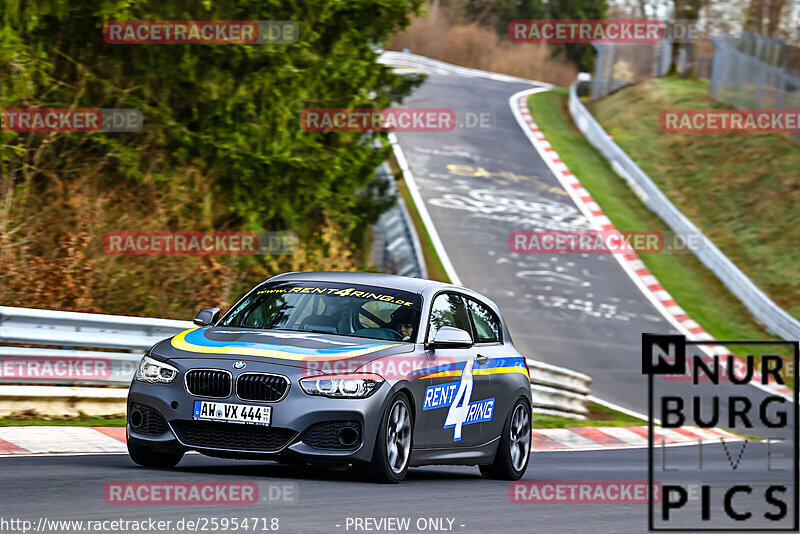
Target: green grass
[(741, 189), (29, 419), (432, 262), (598, 416), (694, 287)]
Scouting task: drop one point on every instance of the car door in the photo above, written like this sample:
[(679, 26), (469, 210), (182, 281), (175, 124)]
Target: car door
[(456, 401), (498, 366)]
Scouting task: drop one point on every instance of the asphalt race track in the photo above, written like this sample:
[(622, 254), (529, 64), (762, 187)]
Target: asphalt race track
[(72, 487), (576, 311), (579, 311)]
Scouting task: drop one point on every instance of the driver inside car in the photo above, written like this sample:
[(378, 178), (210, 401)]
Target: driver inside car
[(402, 321)]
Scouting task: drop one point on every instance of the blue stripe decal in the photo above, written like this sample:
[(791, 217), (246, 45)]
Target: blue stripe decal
[(510, 361), (196, 337), (440, 368)]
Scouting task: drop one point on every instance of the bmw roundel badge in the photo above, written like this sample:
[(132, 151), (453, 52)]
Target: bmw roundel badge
[(239, 365)]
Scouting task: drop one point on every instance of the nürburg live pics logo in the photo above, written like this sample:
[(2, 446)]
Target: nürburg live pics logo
[(747, 483)]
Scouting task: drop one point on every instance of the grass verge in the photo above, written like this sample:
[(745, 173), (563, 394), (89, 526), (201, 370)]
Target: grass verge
[(696, 289), (598, 416), (740, 189), (34, 419), (432, 262)]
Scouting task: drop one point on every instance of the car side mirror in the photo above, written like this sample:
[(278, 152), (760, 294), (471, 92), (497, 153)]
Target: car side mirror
[(206, 316), (448, 337)]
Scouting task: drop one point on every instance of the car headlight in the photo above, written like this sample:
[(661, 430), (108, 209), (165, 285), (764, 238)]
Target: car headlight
[(154, 371), (342, 386)]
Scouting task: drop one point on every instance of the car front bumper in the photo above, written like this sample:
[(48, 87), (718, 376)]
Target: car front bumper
[(296, 429)]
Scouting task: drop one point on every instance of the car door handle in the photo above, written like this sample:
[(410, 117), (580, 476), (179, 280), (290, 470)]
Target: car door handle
[(481, 359)]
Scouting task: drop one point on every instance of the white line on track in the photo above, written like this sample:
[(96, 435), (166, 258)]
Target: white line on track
[(539, 143), (423, 211)]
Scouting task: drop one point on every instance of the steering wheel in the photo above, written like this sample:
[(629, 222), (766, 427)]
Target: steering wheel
[(384, 325), (397, 334)]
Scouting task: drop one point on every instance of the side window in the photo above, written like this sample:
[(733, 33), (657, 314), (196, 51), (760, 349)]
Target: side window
[(448, 310), (487, 325)]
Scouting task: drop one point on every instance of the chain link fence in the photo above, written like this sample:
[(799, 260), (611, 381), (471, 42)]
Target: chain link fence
[(703, 65), (749, 72), (766, 49), (621, 64)]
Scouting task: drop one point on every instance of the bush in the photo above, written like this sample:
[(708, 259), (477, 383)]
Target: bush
[(221, 149)]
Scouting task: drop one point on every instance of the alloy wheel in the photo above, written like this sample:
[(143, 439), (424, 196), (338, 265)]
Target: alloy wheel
[(398, 437)]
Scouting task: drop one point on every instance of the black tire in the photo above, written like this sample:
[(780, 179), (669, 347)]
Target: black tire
[(382, 469), (147, 457), (503, 467)]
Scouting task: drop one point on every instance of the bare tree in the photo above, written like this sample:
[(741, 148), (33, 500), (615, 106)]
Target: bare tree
[(764, 16)]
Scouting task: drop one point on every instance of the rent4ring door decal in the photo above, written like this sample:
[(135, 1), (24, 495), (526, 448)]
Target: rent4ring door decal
[(456, 396)]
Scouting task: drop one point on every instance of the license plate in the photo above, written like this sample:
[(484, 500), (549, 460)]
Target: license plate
[(232, 413)]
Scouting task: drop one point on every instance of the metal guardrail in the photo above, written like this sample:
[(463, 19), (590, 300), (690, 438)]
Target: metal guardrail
[(558, 391), (396, 247), (555, 390), (69, 330), (774, 319), (413, 61), (72, 329)]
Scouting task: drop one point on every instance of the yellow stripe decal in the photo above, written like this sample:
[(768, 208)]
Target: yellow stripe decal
[(180, 343), (487, 371)]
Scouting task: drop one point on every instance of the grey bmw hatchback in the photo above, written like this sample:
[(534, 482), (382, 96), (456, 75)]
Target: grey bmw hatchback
[(379, 371)]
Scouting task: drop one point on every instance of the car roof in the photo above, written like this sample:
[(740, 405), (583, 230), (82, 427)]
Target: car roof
[(393, 281)]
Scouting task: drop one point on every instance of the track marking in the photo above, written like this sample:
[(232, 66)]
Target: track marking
[(8, 448), (423, 211), (76, 441), (117, 432), (644, 280), (625, 435), (617, 438), (42, 439)]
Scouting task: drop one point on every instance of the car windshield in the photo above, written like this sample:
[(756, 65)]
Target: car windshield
[(330, 308)]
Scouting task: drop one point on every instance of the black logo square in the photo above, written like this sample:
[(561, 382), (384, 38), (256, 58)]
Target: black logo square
[(658, 350)]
